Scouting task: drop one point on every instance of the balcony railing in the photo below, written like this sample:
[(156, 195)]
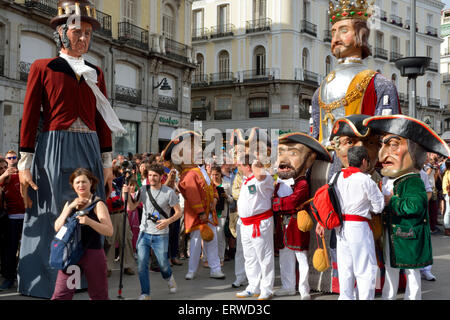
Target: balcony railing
[(431, 31), (408, 24), (2, 65), (393, 56), (396, 20), (199, 80), (446, 51), (198, 114), (221, 78), (309, 28), (262, 74), (176, 50), (169, 103), (133, 35), (383, 15), (105, 24), (49, 7), (258, 25), (433, 103), (199, 34), (220, 31), (222, 114), (380, 53), (327, 36), (401, 97), (310, 76), (433, 67), (446, 78), (24, 70), (126, 94)]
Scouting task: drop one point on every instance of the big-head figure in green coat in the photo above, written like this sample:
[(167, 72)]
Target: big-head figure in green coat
[(404, 145)]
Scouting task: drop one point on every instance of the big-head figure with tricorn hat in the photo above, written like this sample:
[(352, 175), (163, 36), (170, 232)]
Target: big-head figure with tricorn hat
[(69, 95), (405, 142), (351, 87)]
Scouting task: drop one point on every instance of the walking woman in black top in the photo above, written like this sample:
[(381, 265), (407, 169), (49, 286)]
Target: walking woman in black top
[(93, 225)]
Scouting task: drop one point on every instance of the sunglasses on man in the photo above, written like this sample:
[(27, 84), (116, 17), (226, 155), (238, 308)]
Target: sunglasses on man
[(11, 158)]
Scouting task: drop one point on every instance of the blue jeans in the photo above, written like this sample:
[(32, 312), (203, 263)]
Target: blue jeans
[(160, 245)]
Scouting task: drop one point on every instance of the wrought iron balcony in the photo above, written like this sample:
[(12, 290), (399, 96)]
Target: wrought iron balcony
[(394, 55), (327, 36), (169, 103), (49, 7), (105, 24), (310, 76), (380, 53), (199, 80), (431, 31), (127, 94), (433, 103), (220, 31), (221, 78), (262, 74), (309, 28), (222, 114), (383, 15), (199, 34), (408, 24), (24, 70), (133, 35), (2, 65), (433, 67), (396, 20), (176, 50), (258, 25), (198, 114), (446, 78), (401, 97)]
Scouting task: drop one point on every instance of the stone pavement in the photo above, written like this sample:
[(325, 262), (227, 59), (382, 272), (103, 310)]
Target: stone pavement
[(205, 288)]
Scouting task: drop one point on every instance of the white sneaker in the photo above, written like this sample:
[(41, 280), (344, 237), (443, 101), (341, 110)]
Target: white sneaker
[(144, 297), (284, 292), (306, 297), (217, 275), (427, 275), (237, 283), (190, 276), (265, 296), (172, 284), (246, 294)]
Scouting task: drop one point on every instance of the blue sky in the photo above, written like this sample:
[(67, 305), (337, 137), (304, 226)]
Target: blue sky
[(447, 3)]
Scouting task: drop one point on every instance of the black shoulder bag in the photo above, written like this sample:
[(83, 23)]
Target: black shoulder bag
[(155, 205)]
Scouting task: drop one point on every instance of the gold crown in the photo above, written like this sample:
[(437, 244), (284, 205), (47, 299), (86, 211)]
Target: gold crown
[(346, 9)]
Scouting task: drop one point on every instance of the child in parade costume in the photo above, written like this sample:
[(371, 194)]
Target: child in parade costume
[(77, 125), (296, 154), (405, 142), (200, 197)]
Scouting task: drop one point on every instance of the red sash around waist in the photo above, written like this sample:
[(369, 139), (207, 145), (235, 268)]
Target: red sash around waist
[(355, 217), (255, 221)]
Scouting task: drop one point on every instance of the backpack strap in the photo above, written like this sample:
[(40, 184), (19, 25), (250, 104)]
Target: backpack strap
[(155, 204)]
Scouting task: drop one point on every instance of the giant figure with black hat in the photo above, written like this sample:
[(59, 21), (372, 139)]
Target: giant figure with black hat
[(200, 198), (296, 154), (351, 88), (77, 124), (404, 145)]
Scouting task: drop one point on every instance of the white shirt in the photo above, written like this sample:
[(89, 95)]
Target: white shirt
[(358, 194), (251, 204), (388, 183)]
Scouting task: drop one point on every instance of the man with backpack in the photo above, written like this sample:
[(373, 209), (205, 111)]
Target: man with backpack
[(358, 196), (158, 199)]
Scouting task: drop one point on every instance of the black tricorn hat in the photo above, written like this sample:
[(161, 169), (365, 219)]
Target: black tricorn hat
[(299, 137), (409, 128), (166, 154), (82, 8), (351, 126)]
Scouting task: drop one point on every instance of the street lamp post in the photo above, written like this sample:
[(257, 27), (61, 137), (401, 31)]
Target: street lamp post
[(163, 85)]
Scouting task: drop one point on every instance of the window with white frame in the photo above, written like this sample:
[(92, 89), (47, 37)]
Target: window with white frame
[(224, 63), (260, 60), (259, 9), (197, 23), (168, 20), (430, 51), (129, 11), (258, 107), (223, 17), (305, 59)]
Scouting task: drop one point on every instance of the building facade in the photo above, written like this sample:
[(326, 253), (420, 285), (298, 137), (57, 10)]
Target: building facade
[(445, 70), (139, 44), (260, 61)]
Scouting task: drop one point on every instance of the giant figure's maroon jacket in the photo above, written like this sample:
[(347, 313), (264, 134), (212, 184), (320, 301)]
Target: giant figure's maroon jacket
[(53, 85)]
